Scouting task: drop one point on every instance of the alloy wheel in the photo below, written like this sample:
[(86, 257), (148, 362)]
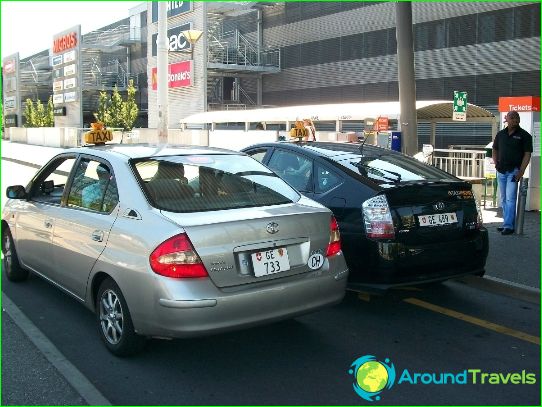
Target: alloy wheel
[(7, 253), (111, 317)]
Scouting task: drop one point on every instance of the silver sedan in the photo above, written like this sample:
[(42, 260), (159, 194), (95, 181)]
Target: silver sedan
[(172, 241)]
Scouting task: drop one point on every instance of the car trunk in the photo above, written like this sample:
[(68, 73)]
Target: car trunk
[(287, 234), (436, 226), (429, 211)]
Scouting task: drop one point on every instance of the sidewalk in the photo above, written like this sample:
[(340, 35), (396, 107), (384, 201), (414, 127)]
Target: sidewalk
[(513, 259)]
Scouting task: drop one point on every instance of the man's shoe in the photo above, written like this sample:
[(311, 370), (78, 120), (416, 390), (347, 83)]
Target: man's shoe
[(507, 231), (500, 229)]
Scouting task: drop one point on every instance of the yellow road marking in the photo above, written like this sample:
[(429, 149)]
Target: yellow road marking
[(476, 321)]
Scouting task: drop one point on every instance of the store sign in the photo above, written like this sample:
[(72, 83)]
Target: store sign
[(56, 60), (519, 103), (69, 83), (59, 111), (58, 98), (58, 73), (460, 106), (10, 84), (10, 120), (9, 66), (64, 42), (70, 97), (175, 39), (179, 75), (10, 102), (174, 8), (69, 56), (382, 124), (69, 70), (58, 86)]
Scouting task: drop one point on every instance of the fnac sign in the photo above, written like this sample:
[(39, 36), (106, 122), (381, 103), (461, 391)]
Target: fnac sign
[(64, 42), (519, 103)]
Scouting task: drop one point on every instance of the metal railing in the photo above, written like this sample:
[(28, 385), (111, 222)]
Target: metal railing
[(461, 163)]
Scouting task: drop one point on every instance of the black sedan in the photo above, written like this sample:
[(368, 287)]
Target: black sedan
[(402, 222)]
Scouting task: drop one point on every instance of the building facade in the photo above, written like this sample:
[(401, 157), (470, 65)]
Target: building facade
[(258, 54)]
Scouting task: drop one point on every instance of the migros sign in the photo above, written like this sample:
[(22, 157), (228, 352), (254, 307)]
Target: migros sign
[(64, 42)]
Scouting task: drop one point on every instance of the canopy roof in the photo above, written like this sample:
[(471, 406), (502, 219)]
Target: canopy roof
[(428, 111)]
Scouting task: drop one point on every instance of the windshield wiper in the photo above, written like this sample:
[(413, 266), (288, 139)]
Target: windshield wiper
[(363, 167), (244, 173)]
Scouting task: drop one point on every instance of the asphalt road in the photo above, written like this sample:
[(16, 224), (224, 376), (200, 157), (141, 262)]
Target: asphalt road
[(306, 360), (446, 328)]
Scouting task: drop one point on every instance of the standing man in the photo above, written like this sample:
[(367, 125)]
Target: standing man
[(512, 150)]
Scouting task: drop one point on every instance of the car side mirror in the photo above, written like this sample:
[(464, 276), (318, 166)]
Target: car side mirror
[(16, 192)]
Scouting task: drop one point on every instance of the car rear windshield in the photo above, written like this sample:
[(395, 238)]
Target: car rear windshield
[(395, 168), (199, 183)]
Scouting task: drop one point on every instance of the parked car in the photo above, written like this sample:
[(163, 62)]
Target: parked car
[(402, 222), (121, 229)]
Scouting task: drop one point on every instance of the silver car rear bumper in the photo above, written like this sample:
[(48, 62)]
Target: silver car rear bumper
[(245, 307)]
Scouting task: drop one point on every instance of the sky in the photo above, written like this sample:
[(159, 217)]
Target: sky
[(28, 27)]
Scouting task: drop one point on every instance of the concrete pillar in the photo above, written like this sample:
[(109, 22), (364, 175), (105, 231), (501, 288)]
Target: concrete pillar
[(162, 61), (407, 81)]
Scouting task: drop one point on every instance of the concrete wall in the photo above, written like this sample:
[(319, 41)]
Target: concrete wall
[(238, 139)]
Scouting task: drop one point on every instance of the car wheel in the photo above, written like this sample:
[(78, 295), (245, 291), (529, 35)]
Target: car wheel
[(10, 262), (114, 321)]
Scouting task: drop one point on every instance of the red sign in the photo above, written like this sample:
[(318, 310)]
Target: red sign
[(519, 103), (179, 75), (382, 124), (9, 66), (65, 42)]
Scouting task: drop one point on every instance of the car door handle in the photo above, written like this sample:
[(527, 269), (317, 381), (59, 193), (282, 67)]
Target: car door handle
[(98, 236), (48, 223)]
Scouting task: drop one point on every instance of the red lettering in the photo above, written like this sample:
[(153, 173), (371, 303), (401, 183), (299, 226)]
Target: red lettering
[(65, 42)]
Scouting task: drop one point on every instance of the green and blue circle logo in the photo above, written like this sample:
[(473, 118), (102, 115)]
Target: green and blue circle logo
[(372, 377)]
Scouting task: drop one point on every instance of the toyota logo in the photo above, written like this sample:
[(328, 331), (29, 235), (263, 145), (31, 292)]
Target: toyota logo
[(439, 206), (272, 227)]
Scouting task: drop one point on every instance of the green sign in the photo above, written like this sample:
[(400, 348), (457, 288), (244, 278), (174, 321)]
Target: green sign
[(460, 106)]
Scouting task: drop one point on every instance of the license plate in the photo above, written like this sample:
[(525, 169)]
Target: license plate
[(437, 219), (270, 262)]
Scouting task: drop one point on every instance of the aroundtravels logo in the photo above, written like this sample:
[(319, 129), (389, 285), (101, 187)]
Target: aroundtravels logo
[(372, 377)]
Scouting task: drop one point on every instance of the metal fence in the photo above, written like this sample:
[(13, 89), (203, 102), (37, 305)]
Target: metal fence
[(461, 163)]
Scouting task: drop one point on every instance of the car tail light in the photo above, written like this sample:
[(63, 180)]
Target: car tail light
[(377, 218), (177, 258), (334, 245)]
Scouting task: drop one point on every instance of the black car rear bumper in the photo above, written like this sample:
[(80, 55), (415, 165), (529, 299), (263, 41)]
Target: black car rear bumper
[(393, 264)]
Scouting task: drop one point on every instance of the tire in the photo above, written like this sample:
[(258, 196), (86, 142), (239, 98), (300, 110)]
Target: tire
[(114, 321), (10, 262)]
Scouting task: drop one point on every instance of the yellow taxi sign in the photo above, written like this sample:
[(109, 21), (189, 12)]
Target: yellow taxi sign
[(98, 134)]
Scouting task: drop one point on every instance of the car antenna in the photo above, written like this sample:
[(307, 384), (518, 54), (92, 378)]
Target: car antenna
[(362, 144)]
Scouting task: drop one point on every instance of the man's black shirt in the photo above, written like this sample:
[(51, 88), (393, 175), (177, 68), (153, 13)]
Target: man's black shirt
[(511, 148)]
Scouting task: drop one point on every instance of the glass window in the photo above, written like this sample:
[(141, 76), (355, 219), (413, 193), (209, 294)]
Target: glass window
[(460, 31), (210, 182), (294, 169), (94, 187), (258, 155), (527, 21), (50, 182), (326, 179), (395, 168)]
